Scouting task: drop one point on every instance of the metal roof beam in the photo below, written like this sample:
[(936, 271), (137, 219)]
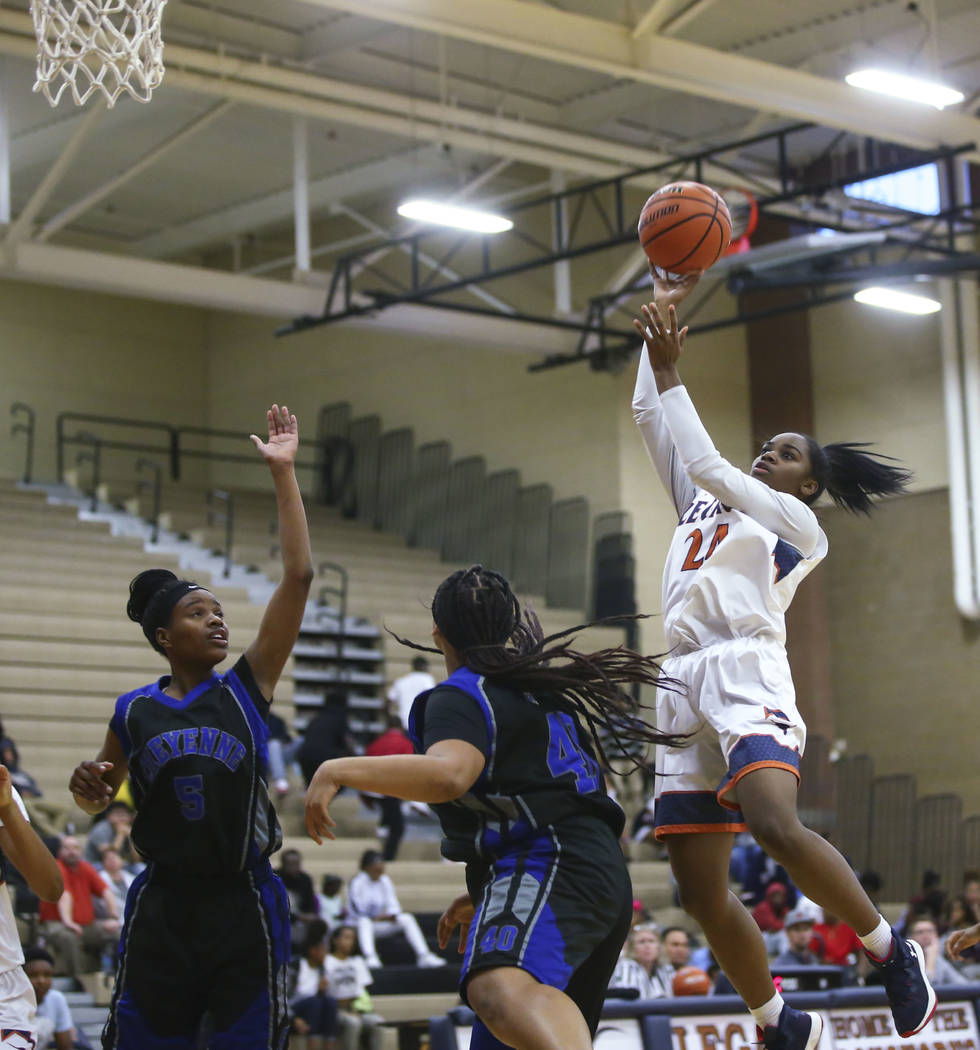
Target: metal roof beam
[(608, 47)]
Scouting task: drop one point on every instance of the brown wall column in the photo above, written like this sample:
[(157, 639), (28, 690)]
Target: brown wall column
[(781, 396)]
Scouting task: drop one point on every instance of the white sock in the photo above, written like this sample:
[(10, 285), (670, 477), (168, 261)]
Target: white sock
[(768, 1013), (879, 941)]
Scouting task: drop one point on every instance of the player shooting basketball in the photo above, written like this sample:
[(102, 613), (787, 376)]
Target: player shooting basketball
[(743, 544)]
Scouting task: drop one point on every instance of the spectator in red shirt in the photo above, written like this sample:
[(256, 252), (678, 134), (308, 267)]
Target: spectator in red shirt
[(835, 943), (70, 926), (770, 913), (391, 742)]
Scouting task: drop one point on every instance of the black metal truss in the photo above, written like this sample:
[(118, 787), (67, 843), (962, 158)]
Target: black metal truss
[(922, 237)]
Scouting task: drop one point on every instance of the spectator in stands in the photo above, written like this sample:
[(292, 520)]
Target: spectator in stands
[(837, 944), (373, 903), (327, 735), (53, 1020), (676, 951), (640, 967), (302, 897), (112, 832), (924, 931), (404, 690), (349, 980), (798, 928), (971, 890), (931, 899), (330, 901), (391, 742), (280, 754), (314, 1009), (116, 876), (769, 915), (70, 926), (10, 757)]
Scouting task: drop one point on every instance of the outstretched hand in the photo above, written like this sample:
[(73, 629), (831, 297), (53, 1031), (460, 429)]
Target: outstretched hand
[(670, 289), (283, 443), (662, 337), (319, 795), (959, 940)]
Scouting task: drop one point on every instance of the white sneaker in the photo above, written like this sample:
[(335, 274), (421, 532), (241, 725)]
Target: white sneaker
[(431, 960)]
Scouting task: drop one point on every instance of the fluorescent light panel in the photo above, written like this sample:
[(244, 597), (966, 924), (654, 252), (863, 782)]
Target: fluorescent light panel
[(911, 88), (450, 215), (892, 299)]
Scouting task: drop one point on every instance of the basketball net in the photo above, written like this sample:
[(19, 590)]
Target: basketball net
[(106, 46)]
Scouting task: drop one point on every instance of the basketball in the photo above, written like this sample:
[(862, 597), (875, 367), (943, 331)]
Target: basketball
[(684, 226), (691, 980)]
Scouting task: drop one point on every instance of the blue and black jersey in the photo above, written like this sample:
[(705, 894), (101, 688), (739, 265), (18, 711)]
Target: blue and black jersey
[(540, 768), (199, 769)]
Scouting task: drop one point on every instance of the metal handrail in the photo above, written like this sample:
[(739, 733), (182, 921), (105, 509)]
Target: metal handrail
[(171, 448), (216, 496), (157, 484), (28, 429), (95, 457)]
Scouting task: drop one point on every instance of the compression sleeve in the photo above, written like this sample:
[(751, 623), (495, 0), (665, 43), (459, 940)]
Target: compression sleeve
[(788, 517), (649, 415)]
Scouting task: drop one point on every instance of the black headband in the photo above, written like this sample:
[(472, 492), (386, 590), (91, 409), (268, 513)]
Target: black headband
[(161, 605)]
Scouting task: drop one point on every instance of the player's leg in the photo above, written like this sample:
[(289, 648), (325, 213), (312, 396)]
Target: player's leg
[(366, 940), (767, 797), (522, 1013), (247, 994), (17, 1031)]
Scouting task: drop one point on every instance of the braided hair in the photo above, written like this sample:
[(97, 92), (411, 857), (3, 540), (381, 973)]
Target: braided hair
[(852, 477), (478, 614)]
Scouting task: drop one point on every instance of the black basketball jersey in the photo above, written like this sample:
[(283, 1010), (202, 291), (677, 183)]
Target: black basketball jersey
[(199, 769), (540, 767)]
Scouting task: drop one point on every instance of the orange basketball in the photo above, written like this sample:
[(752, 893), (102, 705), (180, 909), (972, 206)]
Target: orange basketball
[(690, 980), (684, 226)]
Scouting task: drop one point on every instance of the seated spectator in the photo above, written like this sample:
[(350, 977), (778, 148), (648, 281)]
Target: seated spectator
[(639, 967), (404, 690), (55, 1027), (70, 926), (112, 832), (770, 913), (759, 871), (348, 980), (280, 754), (302, 898), (330, 901), (327, 735), (116, 876), (798, 928), (391, 742), (971, 891), (676, 952), (836, 944), (10, 757), (314, 1009), (930, 900), (923, 930), (373, 904)]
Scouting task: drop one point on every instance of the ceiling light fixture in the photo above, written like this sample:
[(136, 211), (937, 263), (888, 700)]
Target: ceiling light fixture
[(458, 218), (892, 299), (901, 86)]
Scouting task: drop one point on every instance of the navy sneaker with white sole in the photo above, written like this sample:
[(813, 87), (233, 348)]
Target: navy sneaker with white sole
[(795, 1030), (909, 992)]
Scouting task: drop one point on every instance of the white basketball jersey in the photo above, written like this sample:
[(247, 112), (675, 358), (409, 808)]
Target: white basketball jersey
[(11, 953), (740, 549), (726, 576)]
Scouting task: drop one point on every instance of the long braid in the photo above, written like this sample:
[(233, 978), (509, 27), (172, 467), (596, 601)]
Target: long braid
[(479, 615)]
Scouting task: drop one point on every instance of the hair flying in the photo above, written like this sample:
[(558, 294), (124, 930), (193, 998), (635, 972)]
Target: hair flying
[(479, 615), (852, 477)]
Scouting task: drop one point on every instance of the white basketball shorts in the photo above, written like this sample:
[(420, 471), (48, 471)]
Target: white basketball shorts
[(739, 706), (17, 1006)]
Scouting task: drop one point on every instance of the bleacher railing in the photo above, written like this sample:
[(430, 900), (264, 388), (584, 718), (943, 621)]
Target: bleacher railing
[(24, 426)]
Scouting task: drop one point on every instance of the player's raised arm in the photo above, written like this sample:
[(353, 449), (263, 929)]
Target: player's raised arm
[(268, 654)]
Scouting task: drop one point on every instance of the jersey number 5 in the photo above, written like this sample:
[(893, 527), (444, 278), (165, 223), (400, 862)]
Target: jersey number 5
[(696, 539), (565, 754), (190, 795)]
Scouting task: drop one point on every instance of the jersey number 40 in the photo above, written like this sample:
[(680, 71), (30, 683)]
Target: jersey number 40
[(566, 755)]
